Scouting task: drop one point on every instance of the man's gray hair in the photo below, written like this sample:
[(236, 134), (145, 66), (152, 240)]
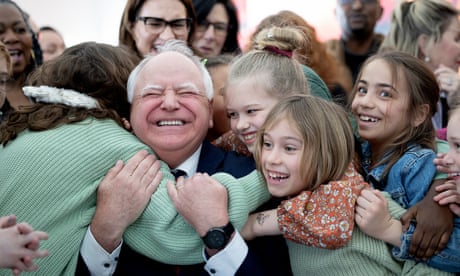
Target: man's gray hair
[(178, 46)]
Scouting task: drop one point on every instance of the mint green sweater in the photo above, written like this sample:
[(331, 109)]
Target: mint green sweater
[(362, 256), (49, 179)]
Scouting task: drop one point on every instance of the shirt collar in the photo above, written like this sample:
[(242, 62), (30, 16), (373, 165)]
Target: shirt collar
[(190, 165)]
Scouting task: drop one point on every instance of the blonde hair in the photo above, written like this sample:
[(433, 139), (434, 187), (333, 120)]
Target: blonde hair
[(411, 19), (327, 134), (269, 63)]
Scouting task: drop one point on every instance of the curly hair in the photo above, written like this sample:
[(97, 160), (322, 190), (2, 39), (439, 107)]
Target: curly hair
[(98, 70)]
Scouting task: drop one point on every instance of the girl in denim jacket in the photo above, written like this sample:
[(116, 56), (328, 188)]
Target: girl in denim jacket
[(393, 101)]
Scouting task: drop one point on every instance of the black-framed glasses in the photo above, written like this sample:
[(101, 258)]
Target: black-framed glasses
[(348, 2), (219, 27), (179, 26)]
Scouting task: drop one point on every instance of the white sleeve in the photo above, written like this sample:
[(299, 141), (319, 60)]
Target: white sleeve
[(98, 261), (227, 261)]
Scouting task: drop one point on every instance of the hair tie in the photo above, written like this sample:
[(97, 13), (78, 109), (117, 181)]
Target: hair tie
[(47, 94), (278, 51)]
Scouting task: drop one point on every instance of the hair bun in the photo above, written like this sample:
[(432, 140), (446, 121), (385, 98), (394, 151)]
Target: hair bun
[(280, 40)]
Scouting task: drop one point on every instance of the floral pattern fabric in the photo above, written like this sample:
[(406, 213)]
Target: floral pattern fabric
[(323, 218), (230, 142)]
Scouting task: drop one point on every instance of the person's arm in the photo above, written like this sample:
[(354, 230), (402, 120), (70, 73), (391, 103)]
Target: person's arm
[(203, 203), (160, 233), (426, 224), (374, 219), (228, 260), (143, 175), (434, 221), (96, 259), (264, 223), (138, 179)]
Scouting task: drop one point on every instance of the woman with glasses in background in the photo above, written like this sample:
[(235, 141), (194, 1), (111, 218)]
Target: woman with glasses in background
[(217, 28), (146, 24)]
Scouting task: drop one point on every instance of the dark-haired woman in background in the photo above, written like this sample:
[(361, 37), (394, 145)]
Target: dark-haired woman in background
[(24, 50), (217, 28), (146, 24)]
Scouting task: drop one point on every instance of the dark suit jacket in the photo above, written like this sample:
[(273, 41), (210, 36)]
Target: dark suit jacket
[(212, 160)]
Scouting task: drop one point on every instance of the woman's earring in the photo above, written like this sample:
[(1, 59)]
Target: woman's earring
[(427, 59)]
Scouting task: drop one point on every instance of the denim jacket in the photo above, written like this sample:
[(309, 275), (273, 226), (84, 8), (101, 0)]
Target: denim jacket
[(408, 181)]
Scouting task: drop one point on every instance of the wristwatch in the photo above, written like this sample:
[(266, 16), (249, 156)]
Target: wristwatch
[(218, 237)]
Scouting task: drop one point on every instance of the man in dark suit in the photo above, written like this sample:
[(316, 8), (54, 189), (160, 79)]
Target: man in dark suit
[(171, 95)]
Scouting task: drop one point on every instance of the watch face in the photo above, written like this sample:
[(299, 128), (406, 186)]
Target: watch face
[(215, 239)]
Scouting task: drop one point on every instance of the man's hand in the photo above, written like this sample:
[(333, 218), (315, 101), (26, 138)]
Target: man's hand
[(201, 200), (122, 196)]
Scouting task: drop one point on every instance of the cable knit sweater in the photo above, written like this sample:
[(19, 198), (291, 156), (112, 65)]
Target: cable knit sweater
[(49, 179)]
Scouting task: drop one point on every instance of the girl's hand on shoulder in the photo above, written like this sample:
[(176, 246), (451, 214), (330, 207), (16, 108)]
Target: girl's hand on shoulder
[(372, 213), (374, 219)]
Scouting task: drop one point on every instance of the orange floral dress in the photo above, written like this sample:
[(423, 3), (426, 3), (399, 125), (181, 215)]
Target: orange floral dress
[(323, 218)]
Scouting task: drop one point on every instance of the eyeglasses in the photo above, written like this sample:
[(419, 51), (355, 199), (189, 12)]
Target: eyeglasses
[(157, 25), (219, 27), (348, 2)]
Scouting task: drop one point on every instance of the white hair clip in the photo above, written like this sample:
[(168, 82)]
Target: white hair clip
[(55, 95), (270, 35)]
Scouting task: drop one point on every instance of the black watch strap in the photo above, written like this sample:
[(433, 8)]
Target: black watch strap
[(218, 237)]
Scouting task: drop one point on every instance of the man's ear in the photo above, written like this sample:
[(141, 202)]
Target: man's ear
[(126, 124), (421, 114)]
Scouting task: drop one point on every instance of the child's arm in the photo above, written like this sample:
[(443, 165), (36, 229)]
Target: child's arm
[(449, 194), (374, 219), (322, 218), (261, 224)]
